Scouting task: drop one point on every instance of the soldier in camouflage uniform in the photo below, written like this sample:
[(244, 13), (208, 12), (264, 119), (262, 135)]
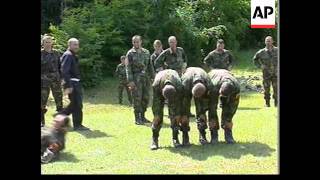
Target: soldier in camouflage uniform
[(196, 83), (219, 58), (123, 83), (167, 85), (267, 60), (53, 138), (157, 45), (139, 69), (50, 76), (174, 57), (227, 88)]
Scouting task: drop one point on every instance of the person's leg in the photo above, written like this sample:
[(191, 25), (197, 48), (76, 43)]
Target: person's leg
[(201, 120), (137, 99), (226, 120), (44, 99), (129, 94), (77, 114), (266, 86), (275, 90), (157, 109), (120, 91), (145, 98), (57, 94)]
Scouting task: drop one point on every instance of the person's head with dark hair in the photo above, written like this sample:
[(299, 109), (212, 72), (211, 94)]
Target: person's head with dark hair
[(168, 92), (226, 89), (198, 90), (61, 122)]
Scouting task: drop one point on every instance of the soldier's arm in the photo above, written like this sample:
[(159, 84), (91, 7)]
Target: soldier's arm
[(256, 59), (159, 61), (206, 60), (128, 67), (151, 68), (66, 63), (185, 59), (186, 98), (231, 61), (213, 104), (157, 104)]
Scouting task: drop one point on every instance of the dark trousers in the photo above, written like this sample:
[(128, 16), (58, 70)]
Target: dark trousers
[(75, 105)]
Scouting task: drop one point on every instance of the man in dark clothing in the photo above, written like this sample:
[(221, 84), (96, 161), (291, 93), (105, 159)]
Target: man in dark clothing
[(70, 72)]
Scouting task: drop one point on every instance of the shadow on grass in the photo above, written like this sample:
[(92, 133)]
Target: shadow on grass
[(248, 108), (66, 157), (94, 134), (229, 151)]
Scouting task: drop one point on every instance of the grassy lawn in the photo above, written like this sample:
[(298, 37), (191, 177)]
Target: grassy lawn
[(117, 145)]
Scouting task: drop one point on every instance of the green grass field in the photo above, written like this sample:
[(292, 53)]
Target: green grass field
[(117, 146)]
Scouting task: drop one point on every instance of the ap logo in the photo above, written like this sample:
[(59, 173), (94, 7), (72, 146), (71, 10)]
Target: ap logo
[(263, 14)]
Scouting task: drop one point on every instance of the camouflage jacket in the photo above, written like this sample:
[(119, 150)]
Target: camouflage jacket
[(176, 61), (188, 79), (153, 57), (50, 64), (217, 60), (138, 62), (219, 76), (267, 60), (167, 76), (121, 72)]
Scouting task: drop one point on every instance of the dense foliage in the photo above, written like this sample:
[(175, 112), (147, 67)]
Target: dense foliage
[(105, 28)]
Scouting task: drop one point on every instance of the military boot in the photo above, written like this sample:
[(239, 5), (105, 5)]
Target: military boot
[(185, 138), (138, 119), (175, 138), (267, 103), (228, 136), (155, 136), (202, 137), (214, 136), (144, 119)]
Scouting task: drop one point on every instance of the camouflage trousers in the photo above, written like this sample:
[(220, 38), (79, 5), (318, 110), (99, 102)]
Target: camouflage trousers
[(176, 121), (268, 80), (229, 108), (140, 94), (55, 85), (121, 87)]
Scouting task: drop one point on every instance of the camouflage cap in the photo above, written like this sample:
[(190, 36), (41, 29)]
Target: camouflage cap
[(198, 90), (168, 91)]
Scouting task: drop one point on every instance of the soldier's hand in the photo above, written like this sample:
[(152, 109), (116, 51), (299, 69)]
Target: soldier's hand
[(131, 86), (68, 91)]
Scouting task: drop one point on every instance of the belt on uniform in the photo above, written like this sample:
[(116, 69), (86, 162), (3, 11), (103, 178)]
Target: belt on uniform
[(75, 79)]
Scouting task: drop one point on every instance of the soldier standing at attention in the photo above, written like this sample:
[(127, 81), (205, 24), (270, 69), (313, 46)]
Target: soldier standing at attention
[(138, 69), (227, 88), (267, 60), (70, 71), (196, 83), (167, 86), (123, 83), (174, 57), (219, 58), (50, 76)]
